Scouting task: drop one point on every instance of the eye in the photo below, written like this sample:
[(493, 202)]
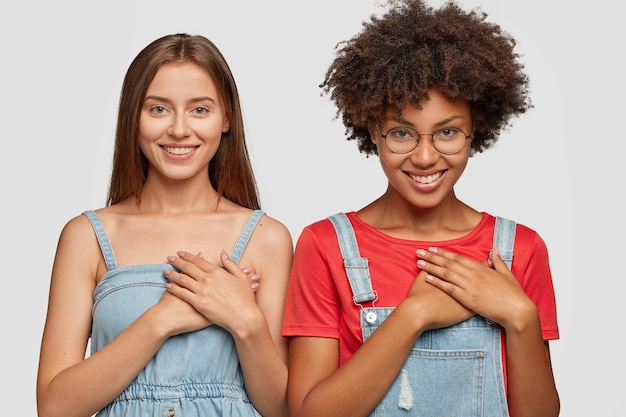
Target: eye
[(448, 133), (200, 110), (157, 109), (402, 134)]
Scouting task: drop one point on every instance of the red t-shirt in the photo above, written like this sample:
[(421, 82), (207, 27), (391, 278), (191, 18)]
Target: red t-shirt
[(319, 300)]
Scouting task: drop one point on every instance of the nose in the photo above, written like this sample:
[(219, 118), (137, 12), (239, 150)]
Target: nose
[(425, 152), (179, 127)]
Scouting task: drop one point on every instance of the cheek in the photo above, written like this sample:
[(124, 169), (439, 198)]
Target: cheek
[(210, 130), (389, 160), (149, 132), (460, 161), (149, 128), (456, 168)]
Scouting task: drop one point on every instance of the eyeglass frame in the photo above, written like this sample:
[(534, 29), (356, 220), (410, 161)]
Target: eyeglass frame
[(419, 135)]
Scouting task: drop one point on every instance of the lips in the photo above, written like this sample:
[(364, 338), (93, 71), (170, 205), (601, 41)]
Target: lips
[(176, 150), (426, 179)]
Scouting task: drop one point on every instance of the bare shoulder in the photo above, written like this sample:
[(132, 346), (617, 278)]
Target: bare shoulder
[(270, 249), (78, 247), (77, 230), (273, 225), (272, 234), (269, 234)]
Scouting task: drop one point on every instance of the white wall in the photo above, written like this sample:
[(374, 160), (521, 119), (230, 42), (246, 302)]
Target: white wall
[(61, 72)]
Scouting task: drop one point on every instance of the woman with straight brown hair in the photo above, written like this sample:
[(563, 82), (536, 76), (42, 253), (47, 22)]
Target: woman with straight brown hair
[(164, 282)]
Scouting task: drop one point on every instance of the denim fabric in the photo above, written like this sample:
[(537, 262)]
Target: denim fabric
[(192, 374), (454, 371)]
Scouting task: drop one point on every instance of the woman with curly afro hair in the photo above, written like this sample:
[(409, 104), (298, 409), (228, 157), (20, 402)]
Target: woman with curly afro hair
[(417, 304)]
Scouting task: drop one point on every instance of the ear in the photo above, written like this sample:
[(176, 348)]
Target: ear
[(373, 131), (226, 126)]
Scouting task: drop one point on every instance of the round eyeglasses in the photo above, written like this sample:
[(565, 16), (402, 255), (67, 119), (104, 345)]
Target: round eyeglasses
[(446, 141)]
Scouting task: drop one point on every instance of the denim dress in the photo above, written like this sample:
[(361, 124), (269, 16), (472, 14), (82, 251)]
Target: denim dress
[(453, 371), (193, 374)]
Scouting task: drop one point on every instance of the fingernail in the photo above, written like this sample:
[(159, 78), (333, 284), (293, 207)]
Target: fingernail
[(181, 253), (254, 285), (246, 270), (224, 254), (171, 258), (255, 277)]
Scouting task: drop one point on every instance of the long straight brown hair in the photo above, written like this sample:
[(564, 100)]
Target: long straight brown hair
[(230, 170)]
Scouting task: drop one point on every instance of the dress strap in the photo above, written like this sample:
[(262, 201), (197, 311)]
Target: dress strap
[(504, 239), (103, 240), (245, 234), (356, 266)]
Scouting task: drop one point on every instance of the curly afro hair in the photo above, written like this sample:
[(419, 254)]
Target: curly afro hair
[(412, 47)]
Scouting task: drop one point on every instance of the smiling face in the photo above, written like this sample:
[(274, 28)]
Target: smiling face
[(423, 176), (181, 122)]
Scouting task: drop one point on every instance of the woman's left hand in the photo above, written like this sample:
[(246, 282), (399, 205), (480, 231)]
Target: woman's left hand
[(491, 291), (224, 295)]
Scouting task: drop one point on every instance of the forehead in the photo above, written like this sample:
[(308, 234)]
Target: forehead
[(180, 78), (436, 107)]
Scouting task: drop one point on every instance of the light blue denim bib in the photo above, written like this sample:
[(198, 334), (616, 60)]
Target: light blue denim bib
[(451, 372), (192, 374)]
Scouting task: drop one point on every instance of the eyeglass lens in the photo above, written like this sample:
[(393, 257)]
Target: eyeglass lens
[(447, 141)]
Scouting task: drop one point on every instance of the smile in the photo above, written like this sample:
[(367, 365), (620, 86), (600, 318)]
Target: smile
[(426, 179), (179, 151)]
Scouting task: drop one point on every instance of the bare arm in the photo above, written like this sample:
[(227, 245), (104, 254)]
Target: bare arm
[(531, 385), (317, 386), (67, 383)]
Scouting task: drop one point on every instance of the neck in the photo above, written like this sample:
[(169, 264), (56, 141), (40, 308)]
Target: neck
[(178, 197)]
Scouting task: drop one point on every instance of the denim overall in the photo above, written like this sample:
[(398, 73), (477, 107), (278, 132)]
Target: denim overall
[(192, 374), (451, 372)]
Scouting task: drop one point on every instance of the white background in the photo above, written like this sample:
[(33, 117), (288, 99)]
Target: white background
[(557, 170)]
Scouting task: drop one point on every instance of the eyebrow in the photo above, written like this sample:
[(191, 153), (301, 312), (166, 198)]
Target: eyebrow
[(193, 100), (440, 123)]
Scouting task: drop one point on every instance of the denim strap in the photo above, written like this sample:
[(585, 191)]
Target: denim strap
[(103, 240), (504, 238), (245, 234), (356, 266)]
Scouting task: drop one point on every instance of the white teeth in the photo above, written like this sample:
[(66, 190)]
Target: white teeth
[(178, 151), (427, 179)]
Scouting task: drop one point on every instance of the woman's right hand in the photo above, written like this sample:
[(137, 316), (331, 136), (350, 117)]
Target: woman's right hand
[(436, 308), (183, 316), (180, 316), (223, 294)]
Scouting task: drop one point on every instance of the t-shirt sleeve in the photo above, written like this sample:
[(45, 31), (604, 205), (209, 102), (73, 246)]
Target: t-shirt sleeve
[(536, 279), (312, 305)]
